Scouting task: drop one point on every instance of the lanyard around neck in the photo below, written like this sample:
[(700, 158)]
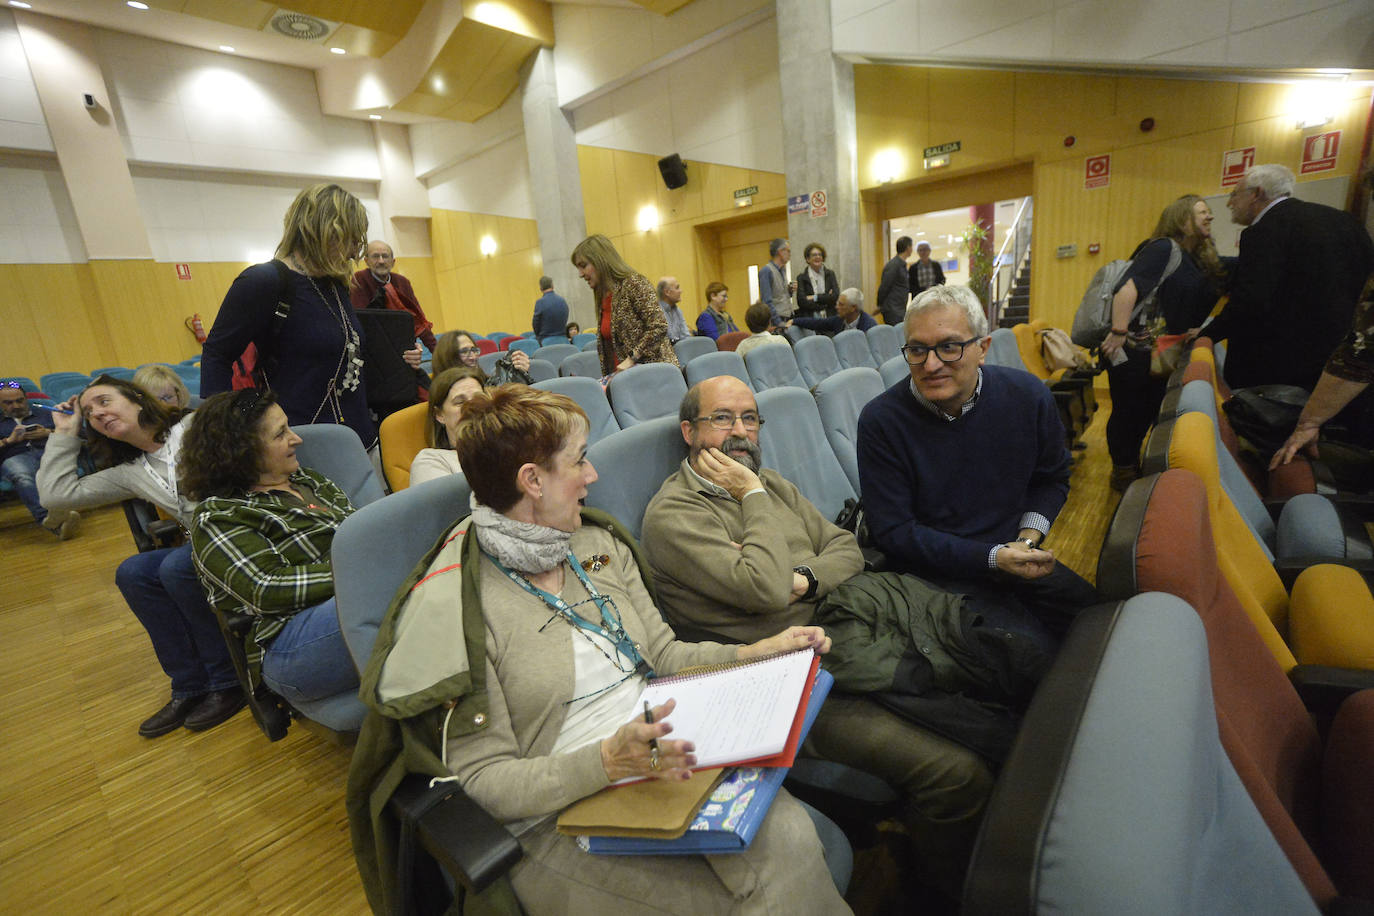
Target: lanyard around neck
[(611, 628)]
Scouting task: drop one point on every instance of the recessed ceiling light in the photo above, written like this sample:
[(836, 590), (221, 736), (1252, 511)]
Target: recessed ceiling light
[(375, 117), (136, 5), (337, 51), (226, 49), (21, 4)]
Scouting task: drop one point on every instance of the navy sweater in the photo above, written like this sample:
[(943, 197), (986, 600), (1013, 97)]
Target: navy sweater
[(308, 348), (939, 495)]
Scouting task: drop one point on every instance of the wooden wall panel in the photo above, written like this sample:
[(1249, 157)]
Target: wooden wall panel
[(600, 203), (482, 293)]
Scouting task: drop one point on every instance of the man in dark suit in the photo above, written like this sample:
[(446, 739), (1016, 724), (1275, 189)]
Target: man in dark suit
[(1300, 272), (924, 273), (892, 288)]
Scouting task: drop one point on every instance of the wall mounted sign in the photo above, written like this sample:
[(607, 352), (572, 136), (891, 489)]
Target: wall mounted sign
[(799, 204), (183, 271), (818, 204), (747, 192), (933, 151), (1319, 152), (937, 162), (1066, 251), (1234, 162), (1097, 171)]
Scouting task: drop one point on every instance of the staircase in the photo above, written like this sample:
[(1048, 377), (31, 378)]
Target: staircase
[(1017, 308)]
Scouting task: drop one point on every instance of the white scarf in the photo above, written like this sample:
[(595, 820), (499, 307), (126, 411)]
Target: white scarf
[(817, 280), (522, 546)]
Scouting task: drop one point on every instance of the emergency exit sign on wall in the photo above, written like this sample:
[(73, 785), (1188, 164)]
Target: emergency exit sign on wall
[(183, 271)]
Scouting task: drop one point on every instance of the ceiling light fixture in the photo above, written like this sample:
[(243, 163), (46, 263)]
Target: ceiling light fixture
[(375, 117), (337, 51), (134, 4), (21, 4), (226, 49)]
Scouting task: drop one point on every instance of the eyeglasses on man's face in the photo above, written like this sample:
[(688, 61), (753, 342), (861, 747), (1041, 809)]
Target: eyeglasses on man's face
[(946, 351), (723, 419)]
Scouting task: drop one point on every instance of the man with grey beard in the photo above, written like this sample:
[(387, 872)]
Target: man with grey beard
[(737, 552), (769, 554)]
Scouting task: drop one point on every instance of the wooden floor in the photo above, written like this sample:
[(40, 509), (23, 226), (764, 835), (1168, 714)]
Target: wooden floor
[(95, 819)]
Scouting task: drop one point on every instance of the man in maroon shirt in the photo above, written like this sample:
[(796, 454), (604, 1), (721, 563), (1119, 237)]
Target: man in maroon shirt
[(378, 287)]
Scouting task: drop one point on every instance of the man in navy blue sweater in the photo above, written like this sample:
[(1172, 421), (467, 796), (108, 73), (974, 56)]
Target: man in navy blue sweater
[(963, 467)]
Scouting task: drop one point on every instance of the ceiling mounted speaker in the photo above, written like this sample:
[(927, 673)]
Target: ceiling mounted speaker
[(674, 171), (300, 26)]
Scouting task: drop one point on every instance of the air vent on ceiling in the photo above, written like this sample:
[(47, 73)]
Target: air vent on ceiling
[(300, 26)]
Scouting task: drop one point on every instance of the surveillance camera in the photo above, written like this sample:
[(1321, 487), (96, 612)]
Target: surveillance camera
[(89, 100)]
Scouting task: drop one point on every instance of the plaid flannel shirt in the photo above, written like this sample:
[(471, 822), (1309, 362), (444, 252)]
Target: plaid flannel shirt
[(267, 554)]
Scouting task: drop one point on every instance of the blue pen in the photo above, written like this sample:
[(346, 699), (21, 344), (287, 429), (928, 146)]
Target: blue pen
[(53, 409)]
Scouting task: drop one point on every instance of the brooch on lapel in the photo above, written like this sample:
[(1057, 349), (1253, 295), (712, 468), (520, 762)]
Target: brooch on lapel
[(594, 563)]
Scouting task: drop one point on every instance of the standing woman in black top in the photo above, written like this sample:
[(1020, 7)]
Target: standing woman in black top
[(312, 358), (1184, 299), (817, 288)]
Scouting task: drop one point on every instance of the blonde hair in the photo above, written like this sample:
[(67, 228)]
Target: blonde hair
[(1173, 224), (325, 228), (152, 378), (598, 251)]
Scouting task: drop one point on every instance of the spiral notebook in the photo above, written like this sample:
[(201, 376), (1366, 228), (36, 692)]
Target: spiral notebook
[(741, 713)]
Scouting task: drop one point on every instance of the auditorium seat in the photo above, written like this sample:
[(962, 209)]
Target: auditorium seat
[(816, 359), (894, 370), (591, 398), (1118, 796), (852, 348), (555, 353), (1161, 540), (794, 444), (885, 341), (585, 364), (770, 367), (542, 369), (730, 339), (631, 465), (689, 348), (840, 399), (645, 391), (724, 362)]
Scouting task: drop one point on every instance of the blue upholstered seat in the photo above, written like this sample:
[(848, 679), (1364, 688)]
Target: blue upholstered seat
[(770, 367), (645, 391), (589, 396), (816, 359)]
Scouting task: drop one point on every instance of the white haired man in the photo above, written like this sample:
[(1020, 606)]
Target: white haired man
[(851, 314), (1301, 268)]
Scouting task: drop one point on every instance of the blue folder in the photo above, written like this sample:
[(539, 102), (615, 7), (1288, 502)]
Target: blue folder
[(730, 817)]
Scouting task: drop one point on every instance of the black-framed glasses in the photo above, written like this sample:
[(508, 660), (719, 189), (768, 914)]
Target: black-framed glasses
[(946, 351), (723, 419), (469, 351)]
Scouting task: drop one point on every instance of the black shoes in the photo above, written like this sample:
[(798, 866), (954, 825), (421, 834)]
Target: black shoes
[(216, 707), (170, 717)]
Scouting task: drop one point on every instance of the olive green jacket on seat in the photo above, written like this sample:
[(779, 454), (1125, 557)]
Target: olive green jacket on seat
[(444, 667)]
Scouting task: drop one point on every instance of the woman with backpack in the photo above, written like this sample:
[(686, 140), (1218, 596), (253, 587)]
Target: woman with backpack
[(1152, 300)]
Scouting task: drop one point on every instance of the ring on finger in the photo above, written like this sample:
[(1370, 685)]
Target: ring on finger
[(655, 763)]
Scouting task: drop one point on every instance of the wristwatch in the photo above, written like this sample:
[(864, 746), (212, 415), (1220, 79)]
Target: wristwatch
[(811, 583)]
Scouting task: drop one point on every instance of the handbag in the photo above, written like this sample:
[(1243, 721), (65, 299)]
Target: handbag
[(1167, 355)]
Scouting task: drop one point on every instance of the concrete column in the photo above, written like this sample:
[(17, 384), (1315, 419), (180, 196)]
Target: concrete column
[(819, 138), (402, 197), (555, 184), (63, 60)]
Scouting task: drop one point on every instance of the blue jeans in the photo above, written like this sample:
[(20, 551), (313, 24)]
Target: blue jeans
[(19, 470), (165, 595), (308, 660)]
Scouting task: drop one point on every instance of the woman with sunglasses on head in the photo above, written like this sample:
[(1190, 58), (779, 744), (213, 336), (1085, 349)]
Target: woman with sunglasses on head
[(550, 600), (136, 441), (312, 356), (459, 348), (261, 538)]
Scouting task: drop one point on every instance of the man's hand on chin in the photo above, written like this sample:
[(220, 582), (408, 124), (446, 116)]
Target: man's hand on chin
[(724, 471), (1024, 562)]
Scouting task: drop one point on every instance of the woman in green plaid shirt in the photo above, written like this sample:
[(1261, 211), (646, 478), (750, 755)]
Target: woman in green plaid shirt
[(261, 539)]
